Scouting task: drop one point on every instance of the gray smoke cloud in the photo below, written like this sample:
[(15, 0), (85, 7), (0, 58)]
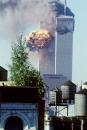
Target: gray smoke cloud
[(18, 15)]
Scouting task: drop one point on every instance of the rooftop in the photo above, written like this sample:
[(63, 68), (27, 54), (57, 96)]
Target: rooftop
[(59, 7), (69, 83), (19, 94), (2, 69), (82, 91)]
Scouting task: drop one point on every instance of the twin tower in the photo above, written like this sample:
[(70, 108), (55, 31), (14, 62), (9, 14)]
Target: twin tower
[(55, 61)]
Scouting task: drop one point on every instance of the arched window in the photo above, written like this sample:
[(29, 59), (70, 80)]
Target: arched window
[(14, 123)]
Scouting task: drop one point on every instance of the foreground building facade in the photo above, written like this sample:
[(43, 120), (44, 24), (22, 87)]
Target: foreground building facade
[(21, 108)]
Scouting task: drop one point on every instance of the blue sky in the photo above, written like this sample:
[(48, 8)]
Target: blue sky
[(79, 7), (79, 69)]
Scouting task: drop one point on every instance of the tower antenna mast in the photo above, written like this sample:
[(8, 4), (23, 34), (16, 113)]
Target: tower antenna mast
[(65, 6)]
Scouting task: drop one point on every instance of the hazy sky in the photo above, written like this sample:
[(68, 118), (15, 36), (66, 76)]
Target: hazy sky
[(79, 8)]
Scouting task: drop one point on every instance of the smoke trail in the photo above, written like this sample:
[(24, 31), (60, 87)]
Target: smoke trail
[(17, 15)]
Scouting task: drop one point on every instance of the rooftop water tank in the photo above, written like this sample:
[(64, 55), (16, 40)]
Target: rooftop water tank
[(55, 97), (68, 90), (3, 74), (84, 85), (81, 103)]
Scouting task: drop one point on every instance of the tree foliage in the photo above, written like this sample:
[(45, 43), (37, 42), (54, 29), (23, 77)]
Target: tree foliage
[(21, 70)]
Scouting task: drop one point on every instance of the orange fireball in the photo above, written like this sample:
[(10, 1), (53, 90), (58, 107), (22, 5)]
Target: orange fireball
[(38, 39)]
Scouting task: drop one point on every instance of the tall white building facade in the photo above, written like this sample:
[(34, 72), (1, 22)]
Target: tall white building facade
[(56, 59), (64, 45)]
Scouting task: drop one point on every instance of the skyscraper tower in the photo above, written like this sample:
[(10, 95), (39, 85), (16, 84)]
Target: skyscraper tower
[(55, 61), (64, 45)]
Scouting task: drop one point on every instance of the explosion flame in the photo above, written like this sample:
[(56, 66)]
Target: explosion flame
[(38, 39)]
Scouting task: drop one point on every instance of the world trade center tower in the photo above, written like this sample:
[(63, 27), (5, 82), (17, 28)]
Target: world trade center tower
[(55, 60)]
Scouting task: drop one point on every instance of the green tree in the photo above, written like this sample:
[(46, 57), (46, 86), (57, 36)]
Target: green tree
[(21, 70)]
